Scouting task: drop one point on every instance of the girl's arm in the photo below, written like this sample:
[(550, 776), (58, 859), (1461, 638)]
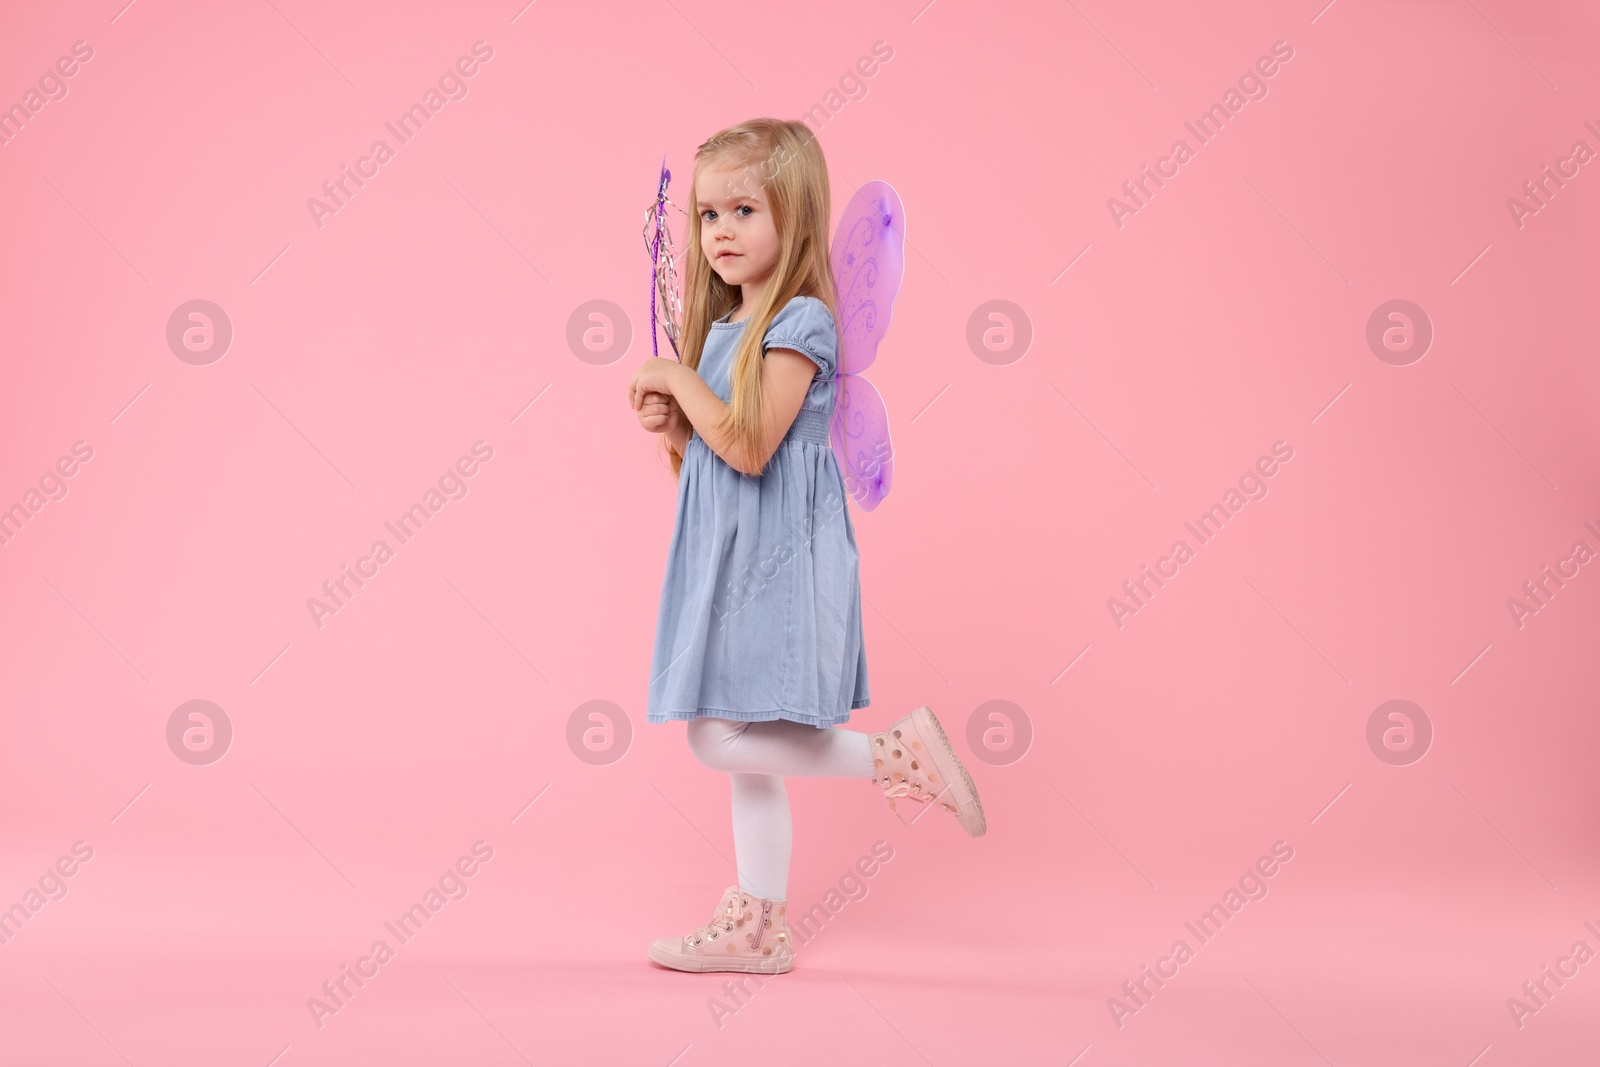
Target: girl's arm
[(677, 434), (785, 379)]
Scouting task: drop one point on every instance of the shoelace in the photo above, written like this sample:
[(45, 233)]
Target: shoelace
[(723, 923), (918, 791)]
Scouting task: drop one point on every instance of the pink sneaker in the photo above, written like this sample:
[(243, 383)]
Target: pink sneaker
[(913, 758), (748, 933)]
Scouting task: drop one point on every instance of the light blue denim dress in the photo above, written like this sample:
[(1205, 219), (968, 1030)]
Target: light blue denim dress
[(760, 612)]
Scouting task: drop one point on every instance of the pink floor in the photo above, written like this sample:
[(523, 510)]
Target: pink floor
[(1006, 949)]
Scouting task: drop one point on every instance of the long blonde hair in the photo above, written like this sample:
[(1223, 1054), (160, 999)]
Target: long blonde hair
[(784, 159)]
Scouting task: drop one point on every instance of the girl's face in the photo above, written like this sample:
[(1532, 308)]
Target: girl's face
[(737, 234)]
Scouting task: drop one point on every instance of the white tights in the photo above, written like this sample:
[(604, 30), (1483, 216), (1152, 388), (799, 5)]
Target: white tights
[(757, 756)]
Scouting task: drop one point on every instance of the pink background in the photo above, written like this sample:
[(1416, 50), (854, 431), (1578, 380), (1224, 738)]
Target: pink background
[(1167, 355)]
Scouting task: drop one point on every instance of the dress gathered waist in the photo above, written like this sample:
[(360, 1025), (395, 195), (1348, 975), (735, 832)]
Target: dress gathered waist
[(810, 425)]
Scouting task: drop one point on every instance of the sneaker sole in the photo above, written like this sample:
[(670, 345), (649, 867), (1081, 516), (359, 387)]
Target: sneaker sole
[(969, 809), (696, 965)]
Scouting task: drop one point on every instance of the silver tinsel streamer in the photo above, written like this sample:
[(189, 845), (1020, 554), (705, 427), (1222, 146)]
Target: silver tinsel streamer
[(667, 294)]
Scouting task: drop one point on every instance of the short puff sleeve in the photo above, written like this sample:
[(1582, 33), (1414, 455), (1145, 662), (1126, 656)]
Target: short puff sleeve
[(806, 325)]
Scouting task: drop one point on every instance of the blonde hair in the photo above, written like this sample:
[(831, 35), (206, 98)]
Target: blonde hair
[(783, 158)]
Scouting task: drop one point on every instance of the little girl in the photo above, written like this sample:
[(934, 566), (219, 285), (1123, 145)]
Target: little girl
[(758, 642)]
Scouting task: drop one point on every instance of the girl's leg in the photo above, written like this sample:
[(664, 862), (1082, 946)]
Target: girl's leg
[(762, 834), (781, 747), (757, 756)]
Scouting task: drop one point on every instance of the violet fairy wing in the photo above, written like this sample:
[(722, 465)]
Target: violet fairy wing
[(868, 260), (861, 442)]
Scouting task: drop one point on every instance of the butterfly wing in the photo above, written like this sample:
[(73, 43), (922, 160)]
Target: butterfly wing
[(868, 260), (861, 442)]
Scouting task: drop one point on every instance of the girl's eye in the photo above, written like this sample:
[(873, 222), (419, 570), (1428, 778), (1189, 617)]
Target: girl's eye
[(741, 207)]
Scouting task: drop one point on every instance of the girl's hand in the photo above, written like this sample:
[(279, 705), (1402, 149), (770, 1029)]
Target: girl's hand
[(659, 412), (655, 375)]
